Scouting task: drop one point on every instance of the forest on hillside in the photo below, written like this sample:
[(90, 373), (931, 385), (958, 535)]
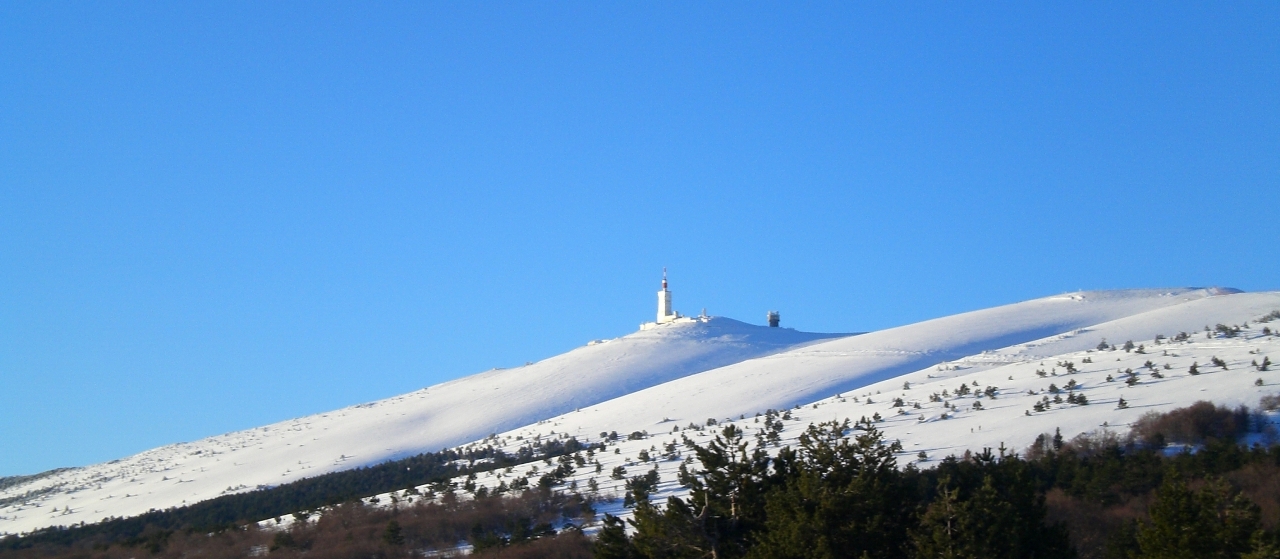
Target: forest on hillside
[(840, 492)]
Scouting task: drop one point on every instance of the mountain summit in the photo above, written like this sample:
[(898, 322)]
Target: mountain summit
[(705, 369)]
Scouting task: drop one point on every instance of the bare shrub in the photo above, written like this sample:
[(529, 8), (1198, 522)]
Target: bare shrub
[(517, 525), (1090, 523), (568, 545), (1261, 484), (1193, 424), (1270, 402), (1093, 442)]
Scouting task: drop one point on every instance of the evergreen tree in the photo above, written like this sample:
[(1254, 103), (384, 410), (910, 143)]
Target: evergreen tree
[(612, 542), (1204, 524), (988, 524), (725, 504), (1264, 546), (1122, 543), (840, 498), (994, 511), (938, 536), (392, 534)]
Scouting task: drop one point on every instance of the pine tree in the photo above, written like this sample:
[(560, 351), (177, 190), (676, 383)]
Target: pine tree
[(938, 536), (392, 535), (1209, 523), (612, 542), (839, 498), (1001, 517), (724, 508)]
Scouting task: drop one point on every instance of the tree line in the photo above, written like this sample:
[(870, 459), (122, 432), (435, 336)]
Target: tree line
[(233, 511), (840, 493)]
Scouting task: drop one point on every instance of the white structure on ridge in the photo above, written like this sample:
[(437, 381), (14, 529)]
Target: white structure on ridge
[(665, 314)]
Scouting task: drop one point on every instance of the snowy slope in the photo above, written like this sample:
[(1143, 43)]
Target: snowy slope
[(1191, 316), (440, 416), (662, 380), (819, 370), (950, 424)]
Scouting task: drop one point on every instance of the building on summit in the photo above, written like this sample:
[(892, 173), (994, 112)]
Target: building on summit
[(667, 314)]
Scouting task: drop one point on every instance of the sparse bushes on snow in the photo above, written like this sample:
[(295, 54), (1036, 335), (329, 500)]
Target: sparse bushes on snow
[(1270, 402), (1227, 331), (1194, 424)]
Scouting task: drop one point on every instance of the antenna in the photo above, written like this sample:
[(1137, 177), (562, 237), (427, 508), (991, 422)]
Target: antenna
[(664, 278)]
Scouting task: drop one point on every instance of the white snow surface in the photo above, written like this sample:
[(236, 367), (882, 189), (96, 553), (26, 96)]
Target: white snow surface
[(659, 381), (430, 419), (819, 370), (950, 425)]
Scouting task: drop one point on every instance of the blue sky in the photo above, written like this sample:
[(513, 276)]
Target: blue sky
[(215, 216)]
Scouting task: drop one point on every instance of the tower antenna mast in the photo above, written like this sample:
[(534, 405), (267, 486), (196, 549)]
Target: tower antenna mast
[(665, 312)]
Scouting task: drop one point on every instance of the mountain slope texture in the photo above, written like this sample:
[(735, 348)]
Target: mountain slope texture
[(677, 376)]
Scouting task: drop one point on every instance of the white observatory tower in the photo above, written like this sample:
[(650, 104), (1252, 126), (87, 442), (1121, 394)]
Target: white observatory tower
[(665, 314)]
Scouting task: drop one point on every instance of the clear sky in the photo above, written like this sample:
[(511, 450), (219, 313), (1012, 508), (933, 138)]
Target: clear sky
[(216, 215)]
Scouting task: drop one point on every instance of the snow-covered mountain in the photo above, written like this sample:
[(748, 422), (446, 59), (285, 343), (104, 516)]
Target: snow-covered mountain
[(430, 419), (1032, 391), (662, 380)]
